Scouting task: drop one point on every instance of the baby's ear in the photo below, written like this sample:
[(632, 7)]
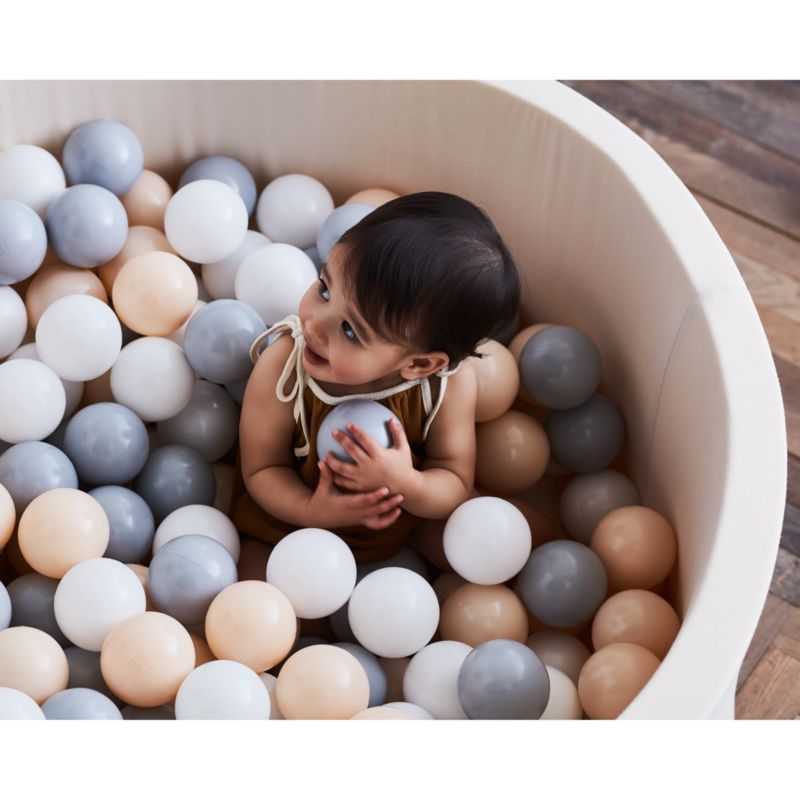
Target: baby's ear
[(423, 365)]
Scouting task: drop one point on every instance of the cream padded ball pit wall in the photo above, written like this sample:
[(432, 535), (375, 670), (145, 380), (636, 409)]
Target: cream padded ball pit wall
[(608, 240)]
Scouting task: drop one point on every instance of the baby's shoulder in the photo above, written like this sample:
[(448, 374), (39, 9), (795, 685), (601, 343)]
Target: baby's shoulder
[(270, 363)]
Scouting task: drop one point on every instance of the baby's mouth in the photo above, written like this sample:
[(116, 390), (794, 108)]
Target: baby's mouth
[(314, 358)]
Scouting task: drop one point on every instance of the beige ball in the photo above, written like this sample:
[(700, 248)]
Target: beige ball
[(561, 650), (141, 239), (512, 453), (637, 546), (54, 282), (60, 528), (474, 614), (145, 658), (251, 622), (516, 346), (498, 380), (33, 662), (322, 682), (8, 516), (146, 201), (375, 197), (612, 677)]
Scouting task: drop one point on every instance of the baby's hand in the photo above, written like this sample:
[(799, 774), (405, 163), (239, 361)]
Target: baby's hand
[(330, 508)]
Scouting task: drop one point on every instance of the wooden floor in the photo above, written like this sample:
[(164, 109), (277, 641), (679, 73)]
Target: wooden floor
[(736, 145)]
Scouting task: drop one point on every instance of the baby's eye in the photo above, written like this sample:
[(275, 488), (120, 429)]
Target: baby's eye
[(323, 288), (348, 330)]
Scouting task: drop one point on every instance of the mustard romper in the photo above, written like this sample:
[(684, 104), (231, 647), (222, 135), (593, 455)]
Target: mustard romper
[(411, 401)]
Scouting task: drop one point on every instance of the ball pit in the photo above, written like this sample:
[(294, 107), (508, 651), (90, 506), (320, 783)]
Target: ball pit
[(667, 420)]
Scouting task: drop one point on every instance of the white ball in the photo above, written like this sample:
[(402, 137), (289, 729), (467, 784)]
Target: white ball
[(273, 280), (5, 608), (30, 175), (292, 208), (487, 540), (315, 569), (270, 681), (412, 709), (93, 596), (13, 320), (15, 704), (431, 679), (205, 221), (79, 337), (393, 612), (202, 520), (152, 377), (563, 702), (219, 277), (222, 690), (72, 389), (32, 401)]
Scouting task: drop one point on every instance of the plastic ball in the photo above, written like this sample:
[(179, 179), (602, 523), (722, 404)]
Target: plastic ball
[(130, 521), (24, 241), (73, 390), (84, 671), (564, 702), (337, 222), (15, 704), (92, 597), (251, 622), (372, 417), (80, 703), (186, 574), (375, 196), (29, 469), (497, 374), (141, 239), (5, 608), (381, 712), (503, 679), (86, 225), (586, 499), (79, 337), (218, 339), (586, 438), (32, 662), (155, 293), (411, 709), (107, 443), (13, 320), (227, 170), (560, 650), (322, 682), (8, 514), (206, 220), (315, 569), (199, 519), (153, 378), (431, 679), (30, 175), (373, 668), (61, 528), (55, 281), (145, 658), (273, 279), (32, 605), (175, 476), (219, 277), (487, 540), (474, 614), (146, 201), (292, 208), (222, 690)]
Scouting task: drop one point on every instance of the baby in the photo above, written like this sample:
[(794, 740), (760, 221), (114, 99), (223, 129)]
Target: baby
[(403, 300)]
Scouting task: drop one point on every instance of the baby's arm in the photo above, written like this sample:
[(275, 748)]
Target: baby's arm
[(448, 473)]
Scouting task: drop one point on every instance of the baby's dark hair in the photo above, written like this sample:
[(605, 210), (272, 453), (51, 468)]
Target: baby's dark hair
[(431, 271)]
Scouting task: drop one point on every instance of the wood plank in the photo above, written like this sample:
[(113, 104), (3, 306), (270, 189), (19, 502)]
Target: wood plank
[(787, 637), (775, 613), (786, 578), (790, 535), (773, 689), (789, 378), (793, 480)]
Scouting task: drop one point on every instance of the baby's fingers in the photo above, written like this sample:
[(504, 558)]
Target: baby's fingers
[(383, 520)]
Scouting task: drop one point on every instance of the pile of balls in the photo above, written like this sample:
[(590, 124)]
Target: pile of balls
[(127, 312)]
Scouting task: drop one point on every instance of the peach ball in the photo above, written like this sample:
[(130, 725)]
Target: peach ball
[(381, 712), (143, 573), (637, 546), (52, 283), (612, 677), (638, 617), (375, 197), (498, 380), (474, 614), (515, 347), (146, 201), (154, 293), (322, 682), (512, 453), (60, 528), (145, 658), (251, 622), (141, 239), (33, 662), (8, 516)]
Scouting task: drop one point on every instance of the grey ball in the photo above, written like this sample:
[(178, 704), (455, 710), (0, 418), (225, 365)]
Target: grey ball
[(563, 583), (85, 673), (175, 476), (29, 469), (138, 713), (560, 367), (80, 704), (313, 254), (503, 679), (187, 573), (32, 604), (131, 523), (24, 242), (108, 444), (217, 340), (336, 223), (378, 683), (5, 607), (586, 438), (226, 170), (236, 390), (340, 624), (372, 417)]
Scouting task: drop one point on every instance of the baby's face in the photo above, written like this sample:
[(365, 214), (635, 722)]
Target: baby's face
[(350, 352)]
